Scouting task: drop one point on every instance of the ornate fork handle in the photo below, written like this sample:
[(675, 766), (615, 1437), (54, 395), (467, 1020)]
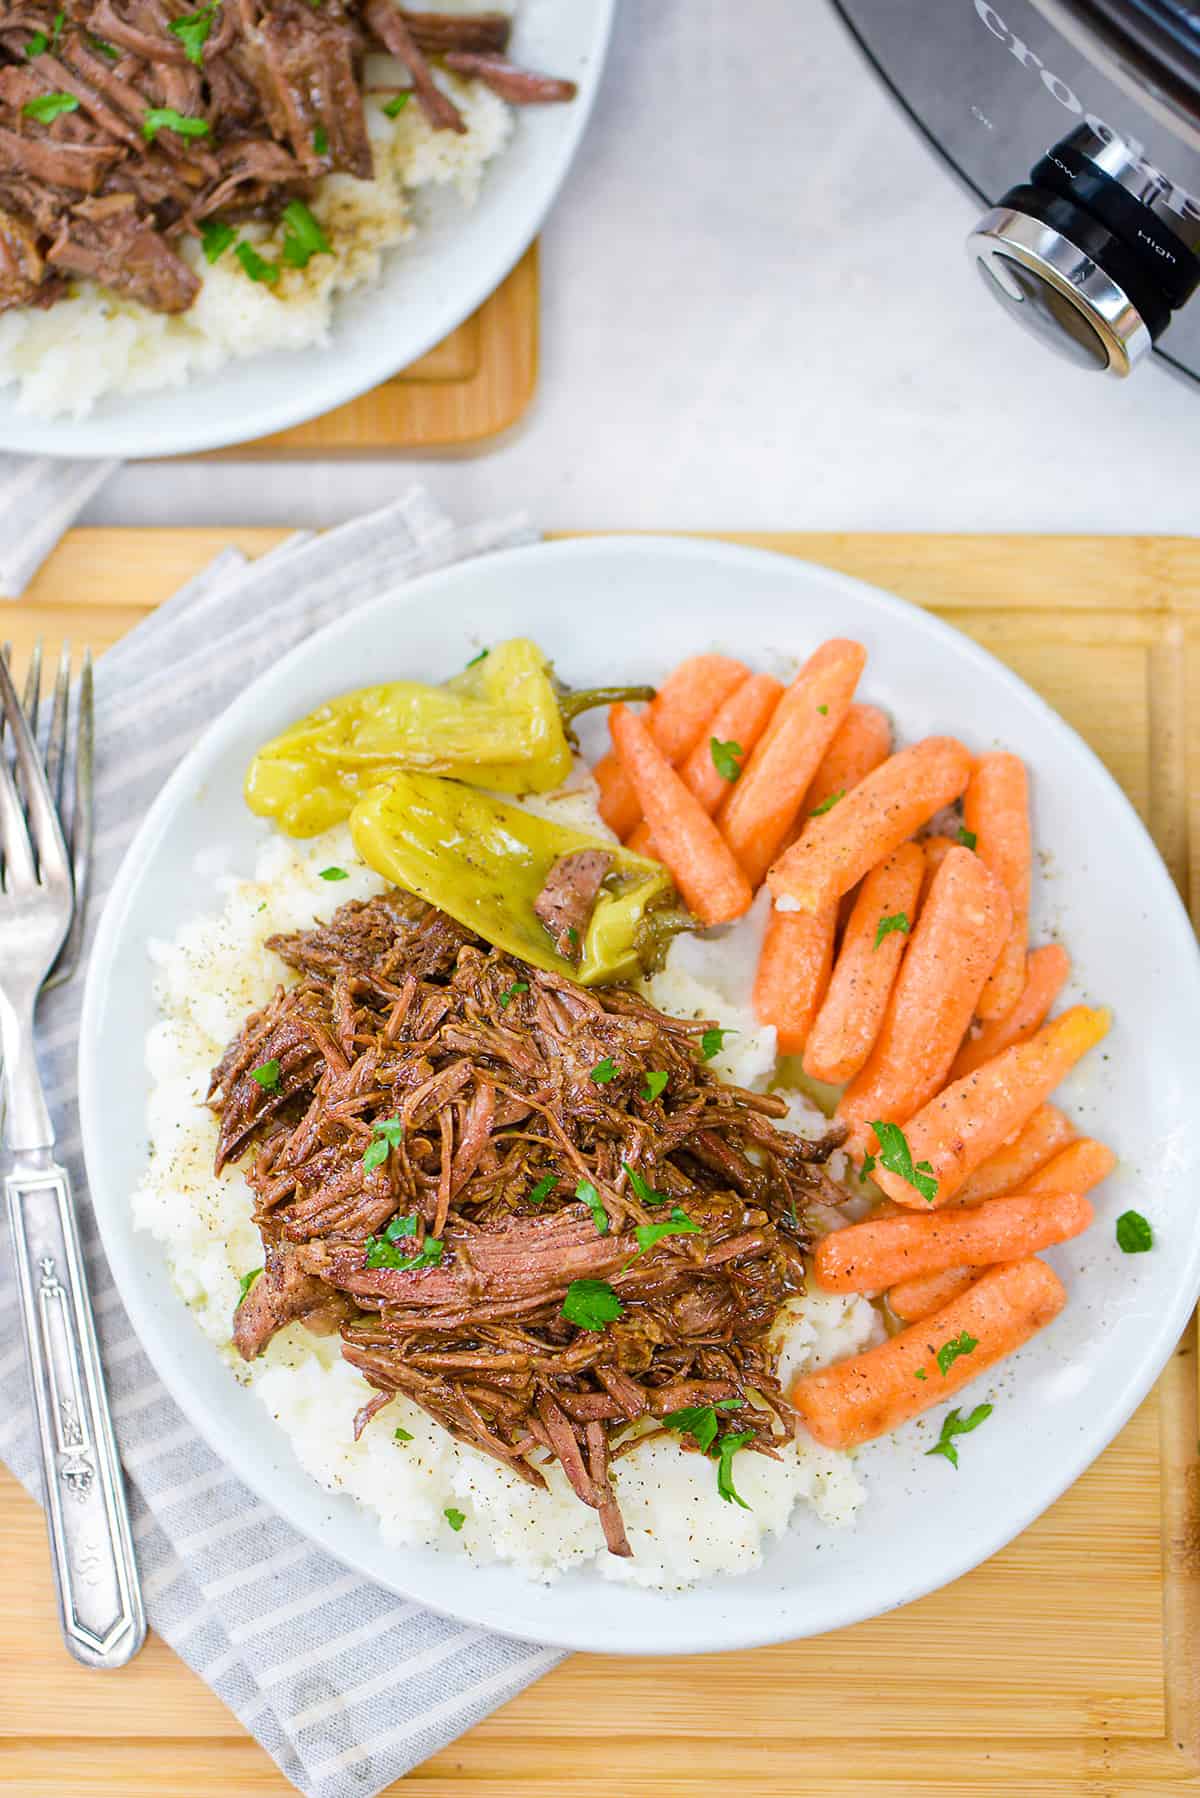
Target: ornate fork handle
[(98, 1594)]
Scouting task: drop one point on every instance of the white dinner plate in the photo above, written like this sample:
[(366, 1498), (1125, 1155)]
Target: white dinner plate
[(427, 286), (625, 609)]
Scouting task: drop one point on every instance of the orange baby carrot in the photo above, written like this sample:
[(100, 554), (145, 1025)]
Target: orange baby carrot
[(1046, 972), (867, 965), (996, 809), (883, 811), (954, 946), (725, 743), (871, 1256), (868, 1394), (1015, 1162), (914, 1299), (675, 719), (708, 877), (759, 811), (861, 742), (1077, 1169), (793, 974), (936, 850), (970, 1119)]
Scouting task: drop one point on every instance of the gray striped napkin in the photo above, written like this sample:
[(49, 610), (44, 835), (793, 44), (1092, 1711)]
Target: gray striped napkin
[(344, 1684), (40, 497)]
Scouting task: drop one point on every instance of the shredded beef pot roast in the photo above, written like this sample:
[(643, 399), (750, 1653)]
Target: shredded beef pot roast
[(268, 94), (422, 1097)]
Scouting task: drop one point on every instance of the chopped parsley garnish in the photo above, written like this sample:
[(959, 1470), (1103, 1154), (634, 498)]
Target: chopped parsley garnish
[(827, 805), (542, 1190), (476, 659), (321, 141), (387, 1133), (590, 1304), (641, 1190), (267, 1075), (656, 1081), (246, 1282), (955, 1424), (399, 1435), (727, 1448), (330, 873), (39, 43), (165, 118), (215, 238), (192, 29), (604, 1071), (454, 1518), (949, 1352), (48, 107), (896, 1156), (256, 266), (591, 1198), (679, 1224), (1134, 1234), (713, 1041), (919, 1374), (868, 1165), (824, 710), (382, 1253), (897, 920), (507, 997), (966, 837), (572, 936), (395, 106), (303, 237), (402, 1225), (726, 758), (700, 1421), (104, 47)]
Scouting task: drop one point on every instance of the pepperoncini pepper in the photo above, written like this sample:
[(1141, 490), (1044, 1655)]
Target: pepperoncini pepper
[(497, 724), (486, 862)]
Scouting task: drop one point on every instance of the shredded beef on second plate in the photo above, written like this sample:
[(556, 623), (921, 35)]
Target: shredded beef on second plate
[(128, 124), (417, 1097)]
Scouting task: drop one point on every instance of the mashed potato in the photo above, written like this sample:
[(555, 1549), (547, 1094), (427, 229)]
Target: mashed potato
[(216, 970), (96, 342)]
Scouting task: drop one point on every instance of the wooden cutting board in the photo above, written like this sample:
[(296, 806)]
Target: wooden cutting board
[(1068, 1666), (475, 383)]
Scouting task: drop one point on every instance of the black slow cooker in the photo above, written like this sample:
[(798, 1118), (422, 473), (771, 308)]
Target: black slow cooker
[(1077, 124)]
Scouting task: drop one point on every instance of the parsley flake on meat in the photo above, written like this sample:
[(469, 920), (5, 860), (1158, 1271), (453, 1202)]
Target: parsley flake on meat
[(267, 1076), (713, 1041), (507, 997), (604, 1071), (645, 1193), (192, 29), (541, 1192), (387, 1133), (382, 1253), (166, 118), (678, 1224), (45, 108), (591, 1198), (656, 1083), (247, 1281), (591, 1304)]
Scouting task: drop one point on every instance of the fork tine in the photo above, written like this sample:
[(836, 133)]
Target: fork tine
[(43, 819), (81, 825), (31, 698), (19, 872), (56, 741)]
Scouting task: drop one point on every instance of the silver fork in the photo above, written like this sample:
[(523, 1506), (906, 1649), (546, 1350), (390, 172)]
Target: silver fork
[(100, 1605)]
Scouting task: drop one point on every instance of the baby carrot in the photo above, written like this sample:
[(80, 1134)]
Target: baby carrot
[(1046, 972), (793, 974), (876, 1391), (758, 813), (936, 850), (1077, 1169), (953, 948), (996, 809), (675, 719), (709, 879), (882, 812), (871, 1256), (725, 743), (867, 965), (861, 742), (1015, 1162), (911, 1300), (970, 1119)]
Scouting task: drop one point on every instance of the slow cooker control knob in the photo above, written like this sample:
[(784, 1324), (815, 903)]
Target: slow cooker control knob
[(1056, 285)]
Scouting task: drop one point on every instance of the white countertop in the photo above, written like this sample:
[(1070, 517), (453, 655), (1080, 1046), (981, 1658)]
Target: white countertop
[(757, 314)]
